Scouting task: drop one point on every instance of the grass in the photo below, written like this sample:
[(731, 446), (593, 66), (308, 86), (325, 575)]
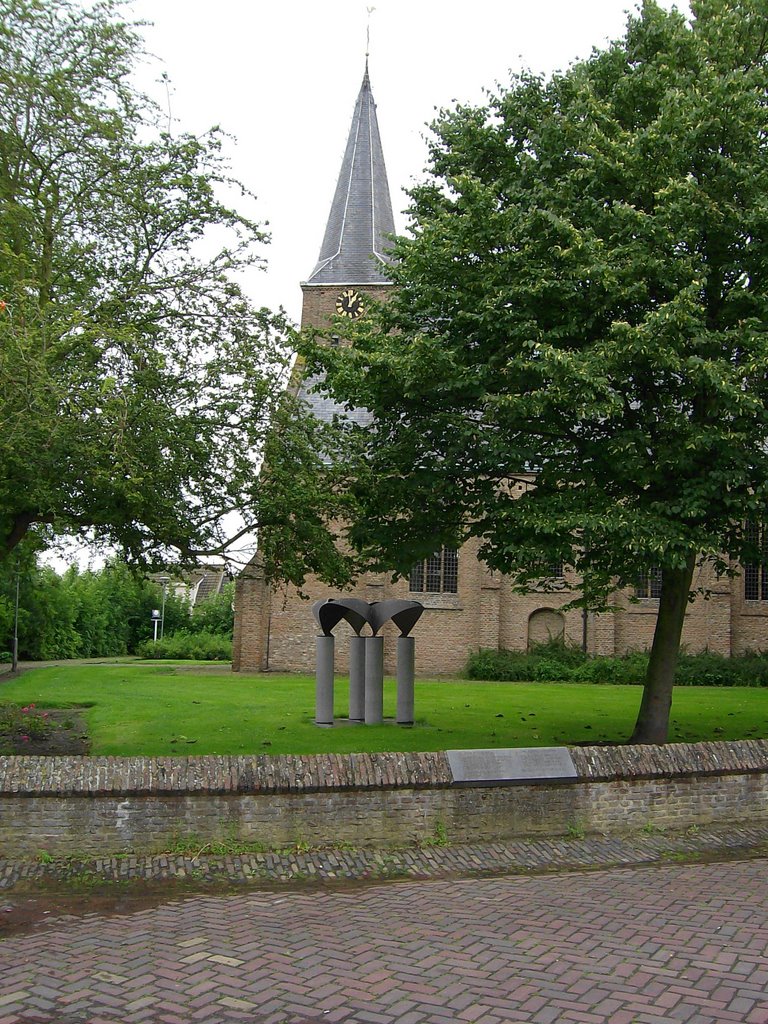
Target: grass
[(161, 709)]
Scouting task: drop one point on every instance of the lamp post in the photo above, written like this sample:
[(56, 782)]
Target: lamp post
[(155, 621), (165, 580), (15, 655)]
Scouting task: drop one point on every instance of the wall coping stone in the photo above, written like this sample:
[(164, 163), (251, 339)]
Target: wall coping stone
[(312, 773), (640, 761)]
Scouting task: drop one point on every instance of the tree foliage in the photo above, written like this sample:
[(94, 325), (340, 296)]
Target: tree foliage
[(216, 614), (81, 613), (137, 382), (582, 299)]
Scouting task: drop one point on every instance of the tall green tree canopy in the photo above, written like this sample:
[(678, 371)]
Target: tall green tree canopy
[(583, 297), (137, 382)]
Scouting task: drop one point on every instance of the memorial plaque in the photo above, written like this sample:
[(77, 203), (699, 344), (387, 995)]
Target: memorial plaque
[(511, 765)]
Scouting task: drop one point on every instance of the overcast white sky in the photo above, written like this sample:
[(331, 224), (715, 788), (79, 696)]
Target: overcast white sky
[(282, 76)]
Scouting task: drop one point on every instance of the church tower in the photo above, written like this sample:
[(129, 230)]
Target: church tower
[(353, 257), (351, 268)]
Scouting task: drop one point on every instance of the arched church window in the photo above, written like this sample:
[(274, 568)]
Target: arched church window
[(649, 583), (438, 574)]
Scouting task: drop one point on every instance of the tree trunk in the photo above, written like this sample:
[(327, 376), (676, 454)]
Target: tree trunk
[(652, 724), (18, 531)]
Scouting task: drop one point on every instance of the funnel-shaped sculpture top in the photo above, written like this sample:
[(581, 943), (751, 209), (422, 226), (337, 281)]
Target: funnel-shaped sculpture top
[(355, 612), (329, 613), (406, 618), (404, 614)]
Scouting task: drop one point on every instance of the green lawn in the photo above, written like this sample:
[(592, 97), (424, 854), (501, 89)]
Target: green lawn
[(161, 709)]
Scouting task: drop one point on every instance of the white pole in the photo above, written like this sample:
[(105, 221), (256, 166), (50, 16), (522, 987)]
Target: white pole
[(15, 659)]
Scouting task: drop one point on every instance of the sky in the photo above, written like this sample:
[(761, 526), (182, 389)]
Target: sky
[(282, 78)]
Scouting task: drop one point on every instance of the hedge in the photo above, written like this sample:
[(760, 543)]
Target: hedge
[(557, 662), (186, 645)]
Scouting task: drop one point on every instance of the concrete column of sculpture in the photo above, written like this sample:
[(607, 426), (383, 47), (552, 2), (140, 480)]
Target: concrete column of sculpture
[(356, 614), (374, 680), (327, 615), (324, 680), (405, 615), (357, 678), (406, 656)]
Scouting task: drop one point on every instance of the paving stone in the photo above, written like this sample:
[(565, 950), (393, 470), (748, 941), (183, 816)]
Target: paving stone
[(673, 943)]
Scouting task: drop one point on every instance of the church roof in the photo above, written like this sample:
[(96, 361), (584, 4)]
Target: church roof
[(324, 408), (354, 249)]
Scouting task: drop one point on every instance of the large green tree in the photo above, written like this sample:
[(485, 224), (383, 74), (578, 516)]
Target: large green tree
[(137, 382), (574, 365)]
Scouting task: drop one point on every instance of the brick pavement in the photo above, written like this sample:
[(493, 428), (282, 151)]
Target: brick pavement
[(543, 853), (652, 945)]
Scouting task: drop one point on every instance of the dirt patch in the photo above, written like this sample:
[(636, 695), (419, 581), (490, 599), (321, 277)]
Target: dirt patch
[(68, 735)]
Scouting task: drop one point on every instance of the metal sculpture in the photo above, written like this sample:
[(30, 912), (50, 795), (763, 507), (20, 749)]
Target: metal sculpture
[(366, 658)]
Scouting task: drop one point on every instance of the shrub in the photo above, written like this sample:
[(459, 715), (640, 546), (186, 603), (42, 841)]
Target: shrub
[(558, 663), (550, 661), (708, 669), (754, 669), (216, 614), (560, 653), (81, 613), (512, 666), (627, 669), (185, 645), (547, 669)]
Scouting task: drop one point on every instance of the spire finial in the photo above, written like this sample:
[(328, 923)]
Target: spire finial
[(368, 35)]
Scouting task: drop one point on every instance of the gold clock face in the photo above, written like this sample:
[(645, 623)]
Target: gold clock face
[(349, 304)]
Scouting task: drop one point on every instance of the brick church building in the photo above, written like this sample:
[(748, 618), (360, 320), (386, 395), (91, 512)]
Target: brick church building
[(467, 605)]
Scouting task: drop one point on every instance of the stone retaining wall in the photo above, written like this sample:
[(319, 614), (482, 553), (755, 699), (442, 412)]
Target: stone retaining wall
[(104, 805)]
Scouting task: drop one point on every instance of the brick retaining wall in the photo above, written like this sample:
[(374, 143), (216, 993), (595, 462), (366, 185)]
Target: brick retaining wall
[(102, 805)]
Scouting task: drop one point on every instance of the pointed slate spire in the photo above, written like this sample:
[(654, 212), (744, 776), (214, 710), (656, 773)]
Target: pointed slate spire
[(354, 249)]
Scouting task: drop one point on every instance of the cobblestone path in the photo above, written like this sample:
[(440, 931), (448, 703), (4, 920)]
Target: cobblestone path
[(651, 945)]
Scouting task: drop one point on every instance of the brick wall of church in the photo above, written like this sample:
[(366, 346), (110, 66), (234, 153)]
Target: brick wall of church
[(251, 634), (278, 631), (708, 621), (451, 626), (750, 621)]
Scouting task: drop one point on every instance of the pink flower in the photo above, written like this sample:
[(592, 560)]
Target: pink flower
[(25, 739)]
